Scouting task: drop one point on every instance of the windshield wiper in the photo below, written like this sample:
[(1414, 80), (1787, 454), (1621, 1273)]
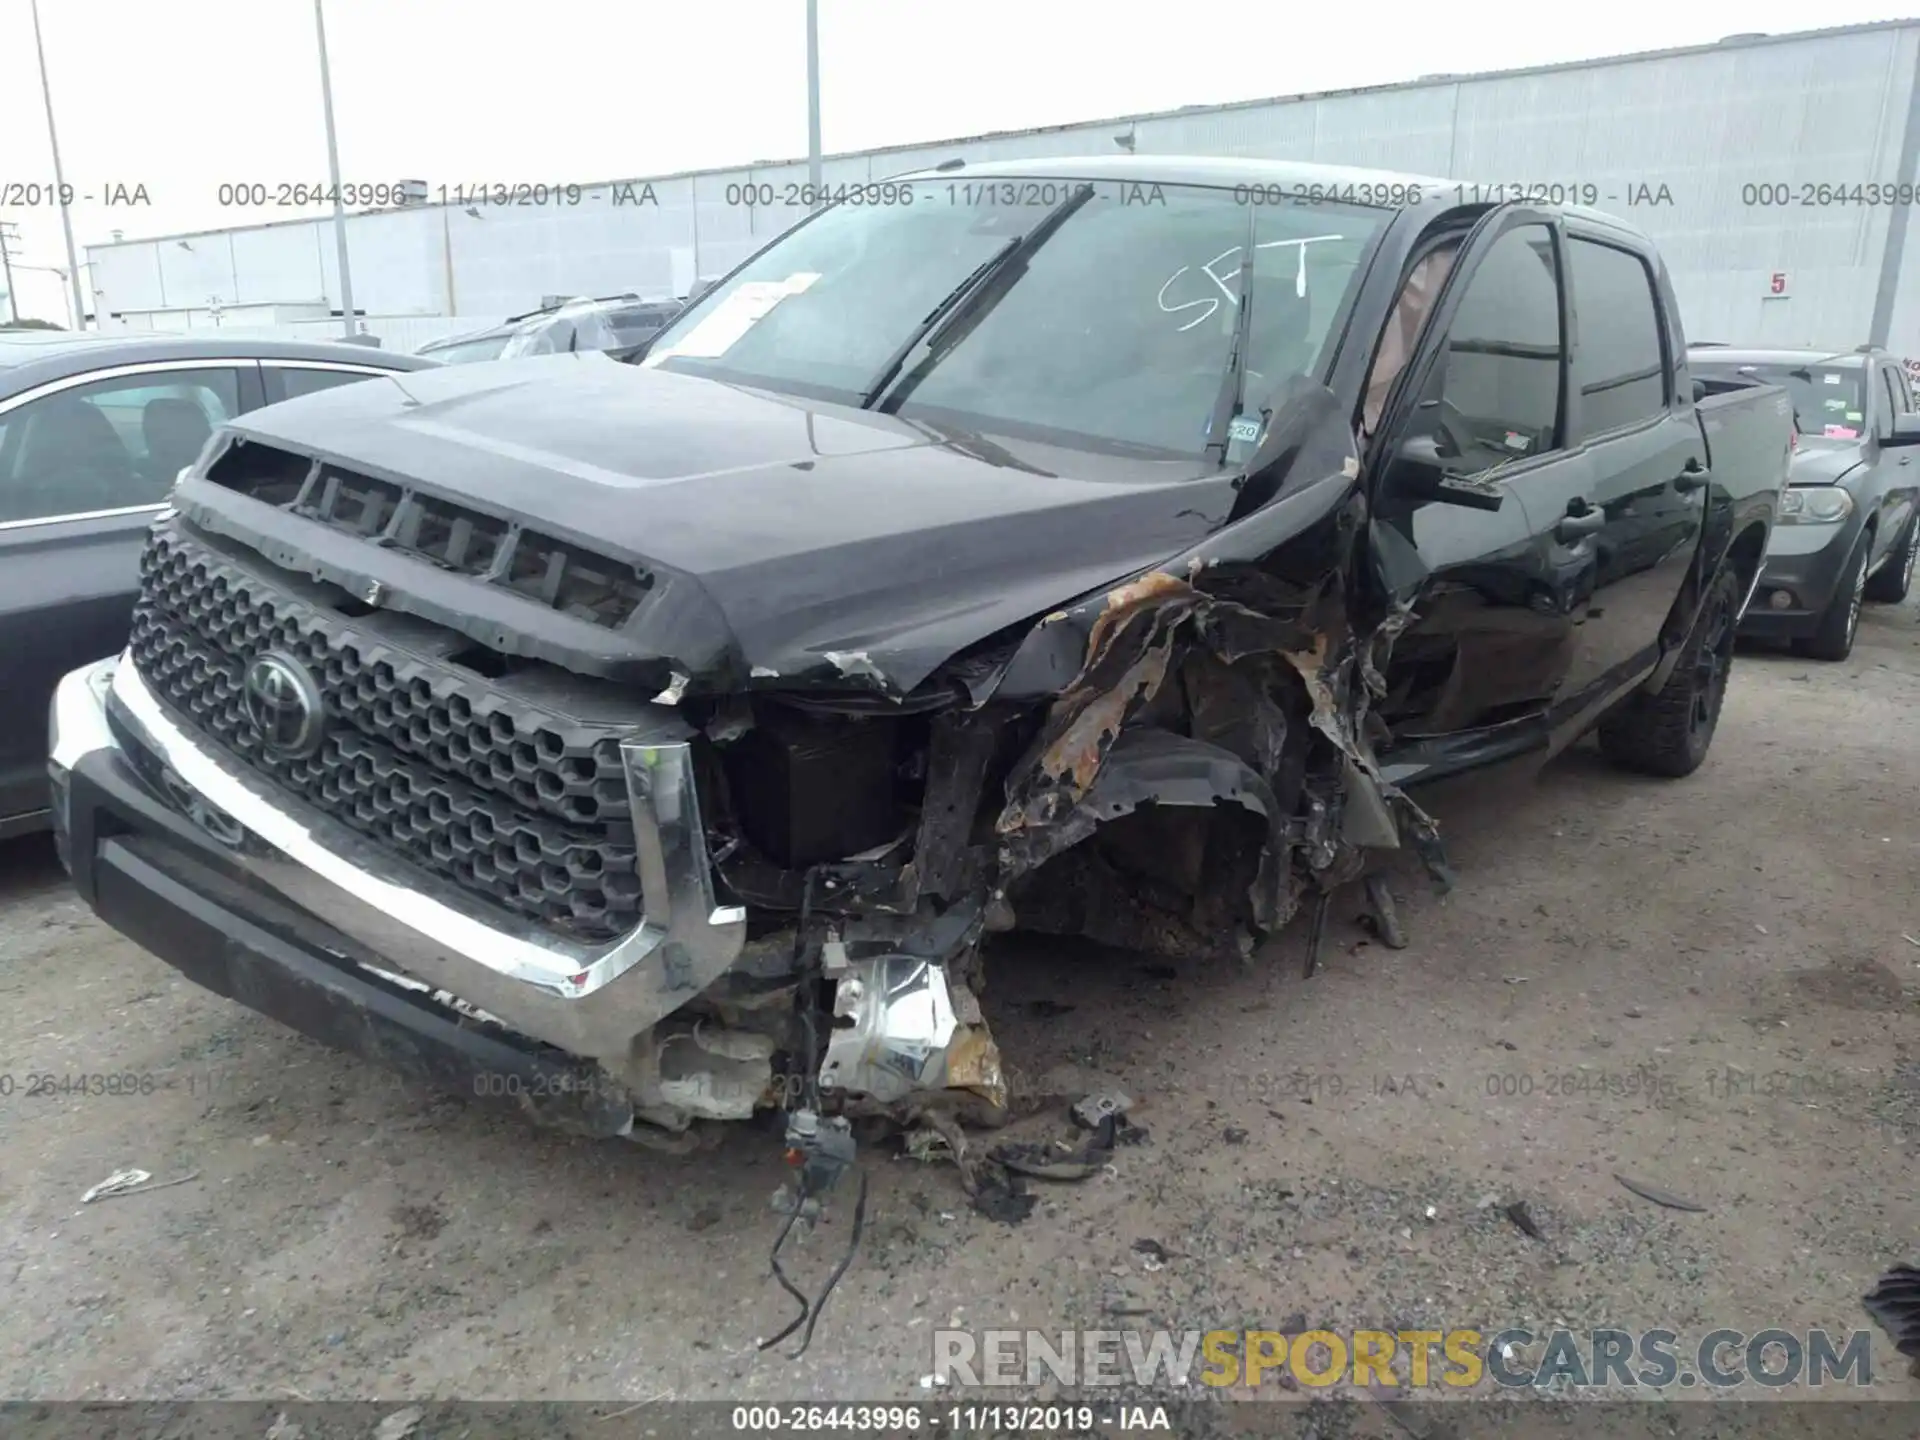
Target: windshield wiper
[(1232, 398), (933, 317), (953, 319)]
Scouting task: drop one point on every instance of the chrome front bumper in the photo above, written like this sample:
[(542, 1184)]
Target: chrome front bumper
[(594, 1002)]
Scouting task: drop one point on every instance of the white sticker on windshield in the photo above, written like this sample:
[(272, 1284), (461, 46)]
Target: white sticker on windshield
[(1244, 428), (1855, 415), (746, 307), (1830, 379)]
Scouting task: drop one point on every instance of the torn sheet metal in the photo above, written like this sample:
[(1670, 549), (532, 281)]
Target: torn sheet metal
[(1370, 792), (898, 1031)]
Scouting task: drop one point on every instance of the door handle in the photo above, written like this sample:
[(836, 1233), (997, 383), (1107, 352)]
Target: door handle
[(1573, 526), (1691, 477)]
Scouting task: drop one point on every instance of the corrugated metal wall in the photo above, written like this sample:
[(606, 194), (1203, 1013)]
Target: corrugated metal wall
[(1673, 142)]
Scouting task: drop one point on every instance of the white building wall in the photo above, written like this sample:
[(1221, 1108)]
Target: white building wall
[(1821, 108)]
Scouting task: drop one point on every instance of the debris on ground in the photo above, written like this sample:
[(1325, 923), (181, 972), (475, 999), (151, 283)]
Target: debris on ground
[(1659, 1196), (1059, 1159), (1153, 1255), (399, 1425), (1894, 1304), (1002, 1196), (1089, 1112), (130, 1182), (995, 1191), (928, 1145), (1523, 1217), (1234, 1135)]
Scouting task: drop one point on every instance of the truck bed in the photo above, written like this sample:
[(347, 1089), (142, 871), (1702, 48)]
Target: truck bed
[(1749, 432)]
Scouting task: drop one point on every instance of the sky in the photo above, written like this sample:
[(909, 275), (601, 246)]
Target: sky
[(178, 97)]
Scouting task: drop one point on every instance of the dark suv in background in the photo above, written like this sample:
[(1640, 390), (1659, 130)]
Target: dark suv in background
[(1849, 526)]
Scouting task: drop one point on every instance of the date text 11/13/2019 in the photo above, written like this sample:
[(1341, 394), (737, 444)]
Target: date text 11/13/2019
[(909, 1419)]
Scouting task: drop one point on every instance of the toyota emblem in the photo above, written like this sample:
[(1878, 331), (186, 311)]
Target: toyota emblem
[(283, 702)]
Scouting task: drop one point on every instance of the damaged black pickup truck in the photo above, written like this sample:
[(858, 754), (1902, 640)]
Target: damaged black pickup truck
[(1095, 547)]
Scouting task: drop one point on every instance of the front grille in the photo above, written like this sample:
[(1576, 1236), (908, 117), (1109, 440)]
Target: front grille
[(452, 535), (519, 805)]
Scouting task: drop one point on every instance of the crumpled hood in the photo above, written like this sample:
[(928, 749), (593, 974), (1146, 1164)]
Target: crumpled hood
[(781, 531), (1825, 462)]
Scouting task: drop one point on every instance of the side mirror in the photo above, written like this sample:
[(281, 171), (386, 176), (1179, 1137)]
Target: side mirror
[(1906, 431), (1418, 470)]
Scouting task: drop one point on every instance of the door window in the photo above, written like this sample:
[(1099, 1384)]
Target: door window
[(1895, 395), (299, 380), (111, 444), (1619, 363), (1496, 387)]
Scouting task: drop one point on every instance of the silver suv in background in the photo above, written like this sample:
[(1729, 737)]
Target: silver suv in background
[(618, 324), (1849, 527)]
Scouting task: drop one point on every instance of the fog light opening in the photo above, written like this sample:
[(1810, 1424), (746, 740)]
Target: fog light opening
[(1780, 599)]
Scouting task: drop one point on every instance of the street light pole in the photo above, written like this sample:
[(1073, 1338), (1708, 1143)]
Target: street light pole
[(333, 168), (813, 102), (59, 177)]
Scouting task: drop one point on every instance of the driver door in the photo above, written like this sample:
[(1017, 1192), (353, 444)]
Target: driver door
[(1471, 478)]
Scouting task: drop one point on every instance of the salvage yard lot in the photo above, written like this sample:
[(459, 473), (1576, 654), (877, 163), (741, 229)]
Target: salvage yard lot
[(1704, 985)]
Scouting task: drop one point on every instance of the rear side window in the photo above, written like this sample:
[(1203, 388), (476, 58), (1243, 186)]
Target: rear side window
[(111, 444), (300, 381), (1619, 364)]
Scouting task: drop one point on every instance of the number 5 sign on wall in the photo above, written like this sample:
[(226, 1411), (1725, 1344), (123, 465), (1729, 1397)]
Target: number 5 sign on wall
[(1777, 283)]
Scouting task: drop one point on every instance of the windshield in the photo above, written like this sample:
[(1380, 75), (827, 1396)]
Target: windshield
[(1827, 398), (1119, 332)]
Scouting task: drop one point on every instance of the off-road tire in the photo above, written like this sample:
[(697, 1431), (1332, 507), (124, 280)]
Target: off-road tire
[(1666, 732), (1840, 621), (1895, 578)]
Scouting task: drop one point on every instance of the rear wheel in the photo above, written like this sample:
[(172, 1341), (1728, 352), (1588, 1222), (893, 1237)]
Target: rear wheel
[(1895, 578), (1840, 621), (1667, 732)]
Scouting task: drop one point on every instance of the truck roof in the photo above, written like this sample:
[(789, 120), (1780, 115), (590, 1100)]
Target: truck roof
[(1228, 171)]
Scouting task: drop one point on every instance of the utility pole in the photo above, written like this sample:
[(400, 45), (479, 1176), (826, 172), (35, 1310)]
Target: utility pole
[(1880, 329), (813, 102), (333, 170), (9, 235), (59, 179)]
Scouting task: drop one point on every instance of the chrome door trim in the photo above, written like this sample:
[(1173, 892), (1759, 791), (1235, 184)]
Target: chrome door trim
[(116, 372), (153, 508)]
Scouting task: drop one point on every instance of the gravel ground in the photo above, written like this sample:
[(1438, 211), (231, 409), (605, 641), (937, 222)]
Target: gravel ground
[(1335, 1151)]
